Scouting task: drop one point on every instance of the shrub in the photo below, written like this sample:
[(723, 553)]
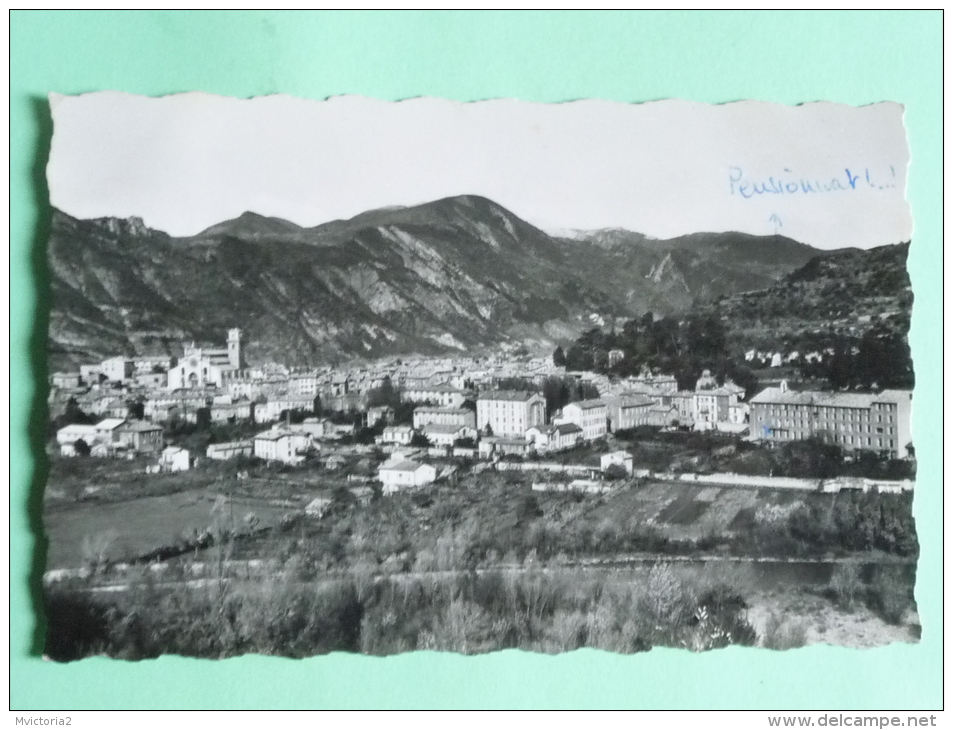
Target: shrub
[(846, 585), (781, 634)]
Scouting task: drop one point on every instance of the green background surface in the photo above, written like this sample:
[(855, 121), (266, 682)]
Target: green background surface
[(789, 57)]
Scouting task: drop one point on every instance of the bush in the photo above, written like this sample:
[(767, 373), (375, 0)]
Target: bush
[(890, 593), (846, 585), (781, 634)]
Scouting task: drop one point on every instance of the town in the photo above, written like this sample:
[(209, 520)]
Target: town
[(422, 413)]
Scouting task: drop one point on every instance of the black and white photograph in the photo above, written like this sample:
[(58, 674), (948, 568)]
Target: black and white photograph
[(350, 375)]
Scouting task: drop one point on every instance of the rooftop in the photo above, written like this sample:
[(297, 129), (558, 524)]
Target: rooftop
[(589, 404), (276, 433), (630, 400), (441, 428), (108, 424), (508, 395), (405, 465), (822, 398), (142, 426)]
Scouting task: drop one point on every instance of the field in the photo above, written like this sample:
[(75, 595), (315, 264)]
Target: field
[(474, 563), (121, 531)]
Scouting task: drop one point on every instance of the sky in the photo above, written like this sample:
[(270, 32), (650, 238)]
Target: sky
[(830, 175)]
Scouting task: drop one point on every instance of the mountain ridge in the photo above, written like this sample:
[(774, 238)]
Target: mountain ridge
[(459, 273)]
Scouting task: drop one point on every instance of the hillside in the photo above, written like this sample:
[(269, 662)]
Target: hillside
[(846, 292), (669, 276), (455, 274)]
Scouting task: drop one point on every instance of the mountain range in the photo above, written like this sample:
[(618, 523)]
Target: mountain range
[(457, 274)]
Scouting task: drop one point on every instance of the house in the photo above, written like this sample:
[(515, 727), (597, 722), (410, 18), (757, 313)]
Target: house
[(495, 446), (870, 421), (89, 374), (229, 449), (628, 410), (66, 380), (316, 427), (447, 435), (151, 380), (714, 404), (378, 414), (67, 437), (226, 410), (108, 406), (288, 447), (402, 435), (557, 437), (395, 475), (615, 357), (617, 458), (648, 383), (305, 385), (509, 412), (440, 395), (275, 407), (339, 429), (153, 363), (107, 430), (424, 415), (683, 402), (142, 437), (117, 369), (590, 415), (662, 415), (174, 458)]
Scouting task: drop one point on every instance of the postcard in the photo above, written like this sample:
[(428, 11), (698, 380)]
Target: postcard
[(379, 377)]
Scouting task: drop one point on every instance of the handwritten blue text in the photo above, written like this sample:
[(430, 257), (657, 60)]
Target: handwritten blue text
[(790, 183)]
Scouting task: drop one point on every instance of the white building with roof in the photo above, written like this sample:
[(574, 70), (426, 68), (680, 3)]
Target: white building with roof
[(229, 450), (510, 412), (590, 415), (67, 437), (444, 395), (175, 458), (272, 409), (424, 415), (854, 421), (396, 475), (628, 410), (440, 434), (617, 458), (401, 435), (117, 369), (288, 447), (555, 437)]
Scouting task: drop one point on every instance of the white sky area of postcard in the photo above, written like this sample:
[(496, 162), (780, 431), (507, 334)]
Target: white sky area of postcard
[(829, 175)]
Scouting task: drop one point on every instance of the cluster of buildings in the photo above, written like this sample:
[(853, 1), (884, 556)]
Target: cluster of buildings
[(459, 408)]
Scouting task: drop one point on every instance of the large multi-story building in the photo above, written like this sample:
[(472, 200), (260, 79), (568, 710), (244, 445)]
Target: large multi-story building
[(628, 410), (442, 395), (592, 416), (424, 415), (870, 421), (282, 445), (273, 409), (510, 412)]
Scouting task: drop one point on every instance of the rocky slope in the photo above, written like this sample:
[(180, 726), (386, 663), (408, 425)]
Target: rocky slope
[(455, 274)]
